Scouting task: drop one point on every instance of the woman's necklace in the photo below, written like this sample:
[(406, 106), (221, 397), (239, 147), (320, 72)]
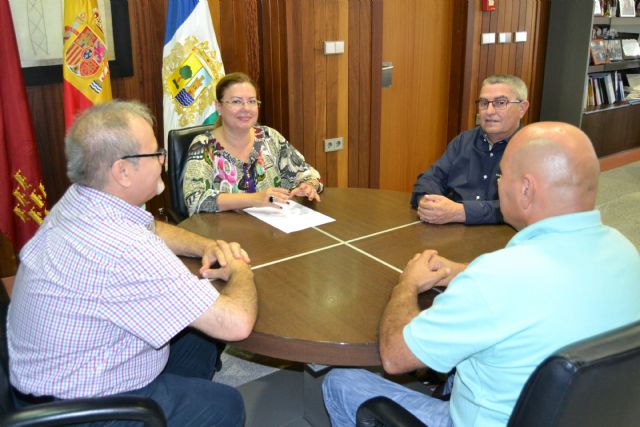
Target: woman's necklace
[(248, 181)]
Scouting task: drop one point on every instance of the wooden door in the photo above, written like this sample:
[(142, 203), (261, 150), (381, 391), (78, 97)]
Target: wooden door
[(417, 39)]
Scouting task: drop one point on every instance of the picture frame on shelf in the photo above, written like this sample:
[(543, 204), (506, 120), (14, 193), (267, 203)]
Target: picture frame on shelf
[(598, 52), (627, 8), (614, 49), (630, 49), (598, 10)]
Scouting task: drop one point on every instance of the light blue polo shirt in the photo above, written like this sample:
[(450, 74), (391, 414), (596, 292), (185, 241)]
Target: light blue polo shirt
[(556, 282)]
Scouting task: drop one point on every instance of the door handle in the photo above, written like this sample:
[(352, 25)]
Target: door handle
[(387, 72)]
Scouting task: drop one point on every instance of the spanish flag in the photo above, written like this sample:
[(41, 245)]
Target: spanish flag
[(23, 200), (85, 66)]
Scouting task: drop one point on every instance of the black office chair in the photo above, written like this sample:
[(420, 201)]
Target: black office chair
[(591, 383), (72, 411), (178, 141)]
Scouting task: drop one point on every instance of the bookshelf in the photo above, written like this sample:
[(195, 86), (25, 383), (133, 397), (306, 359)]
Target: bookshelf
[(611, 127)]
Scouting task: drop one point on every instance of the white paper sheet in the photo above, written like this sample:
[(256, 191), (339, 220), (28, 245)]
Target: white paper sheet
[(292, 217)]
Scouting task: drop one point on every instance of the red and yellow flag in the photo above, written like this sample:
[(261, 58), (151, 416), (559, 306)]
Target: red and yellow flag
[(85, 65), (23, 201)]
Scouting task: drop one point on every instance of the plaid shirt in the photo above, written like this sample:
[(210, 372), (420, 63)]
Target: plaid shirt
[(97, 297)]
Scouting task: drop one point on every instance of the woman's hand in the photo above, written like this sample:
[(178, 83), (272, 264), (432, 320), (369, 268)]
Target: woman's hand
[(307, 189), (270, 197)]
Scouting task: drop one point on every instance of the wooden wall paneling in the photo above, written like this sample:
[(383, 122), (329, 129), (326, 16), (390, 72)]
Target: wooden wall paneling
[(458, 57), (147, 22), (355, 52), (331, 63), (513, 25), (320, 89), (274, 65), (238, 38), (341, 111), (489, 59), (46, 104), (613, 131), (270, 65), (214, 8), (502, 50), (525, 71), (522, 59), (375, 99), (268, 32), (294, 72), (308, 95), (414, 122), (363, 80), (521, 48), (632, 139), (471, 67)]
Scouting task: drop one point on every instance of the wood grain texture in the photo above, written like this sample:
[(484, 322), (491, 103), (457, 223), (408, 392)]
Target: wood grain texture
[(521, 59), (613, 130), (320, 298), (414, 124)]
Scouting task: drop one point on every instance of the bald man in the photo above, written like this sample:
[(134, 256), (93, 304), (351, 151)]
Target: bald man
[(505, 312)]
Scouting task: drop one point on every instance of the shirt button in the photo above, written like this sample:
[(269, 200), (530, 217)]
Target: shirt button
[(484, 177), (477, 197), (490, 154)]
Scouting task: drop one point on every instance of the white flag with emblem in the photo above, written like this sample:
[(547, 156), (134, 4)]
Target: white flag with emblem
[(191, 66)]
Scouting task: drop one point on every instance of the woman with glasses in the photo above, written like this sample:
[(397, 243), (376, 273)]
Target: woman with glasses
[(241, 164)]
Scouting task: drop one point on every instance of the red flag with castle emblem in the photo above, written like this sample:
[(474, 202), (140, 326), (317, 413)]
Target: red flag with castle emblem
[(22, 195), (85, 66)]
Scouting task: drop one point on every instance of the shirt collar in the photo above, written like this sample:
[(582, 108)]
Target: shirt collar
[(505, 141), (115, 206), (558, 224)]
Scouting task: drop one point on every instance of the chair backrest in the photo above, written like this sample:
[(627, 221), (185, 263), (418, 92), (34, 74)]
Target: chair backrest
[(179, 141), (594, 382)]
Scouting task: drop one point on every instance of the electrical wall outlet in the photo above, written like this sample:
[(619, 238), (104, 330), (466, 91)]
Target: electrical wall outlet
[(333, 144)]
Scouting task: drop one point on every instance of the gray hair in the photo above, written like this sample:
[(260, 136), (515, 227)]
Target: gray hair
[(100, 136), (517, 85)]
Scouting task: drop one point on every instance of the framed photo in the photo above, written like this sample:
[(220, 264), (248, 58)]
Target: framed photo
[(41, 50), (598, 52), (598, 10), (630, 49), (614, 47), (627, 8)]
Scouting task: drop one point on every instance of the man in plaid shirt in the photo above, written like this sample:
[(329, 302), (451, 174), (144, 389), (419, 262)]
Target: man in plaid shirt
[(101, 303)]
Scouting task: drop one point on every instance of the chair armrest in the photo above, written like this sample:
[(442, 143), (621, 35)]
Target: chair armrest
[(170, 216), (63, 412), (381, 411)]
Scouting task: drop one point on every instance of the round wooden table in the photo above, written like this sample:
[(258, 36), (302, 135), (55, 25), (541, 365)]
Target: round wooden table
[(322, 290)]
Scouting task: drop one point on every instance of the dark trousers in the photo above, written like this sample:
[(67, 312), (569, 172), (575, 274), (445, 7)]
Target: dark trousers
[(184, 389)]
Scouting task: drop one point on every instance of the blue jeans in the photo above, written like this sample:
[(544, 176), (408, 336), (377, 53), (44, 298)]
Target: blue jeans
[(184, 389), (344, 390)]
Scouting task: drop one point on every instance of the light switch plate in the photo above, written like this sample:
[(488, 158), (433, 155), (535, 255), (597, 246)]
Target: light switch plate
[(339, 46), (521, 36), (488, 38), (504, 38), (329, 48)]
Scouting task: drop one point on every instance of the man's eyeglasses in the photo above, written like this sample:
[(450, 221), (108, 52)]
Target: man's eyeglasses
[(238, 102), (161, 154), (498, 103)]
